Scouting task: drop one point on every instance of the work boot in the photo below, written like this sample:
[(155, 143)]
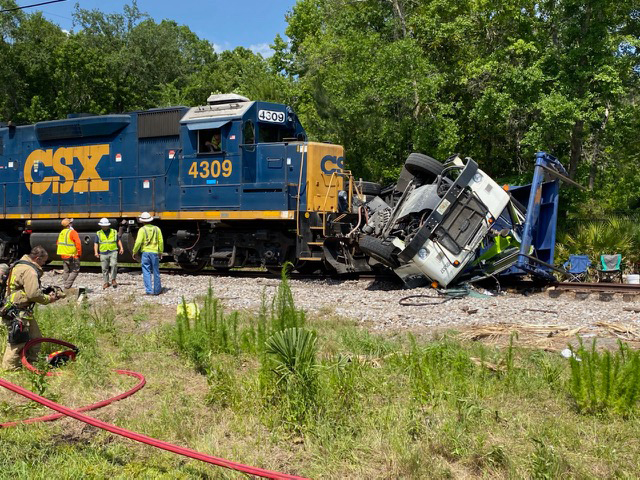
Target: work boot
[(105, 286), (114, 283)]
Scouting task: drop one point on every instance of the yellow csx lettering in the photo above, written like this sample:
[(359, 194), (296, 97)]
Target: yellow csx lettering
[(60, 160)]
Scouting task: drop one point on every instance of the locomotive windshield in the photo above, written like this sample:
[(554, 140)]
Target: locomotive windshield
[(275, 133)]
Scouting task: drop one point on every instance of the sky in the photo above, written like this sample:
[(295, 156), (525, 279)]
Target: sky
[(225, 23)]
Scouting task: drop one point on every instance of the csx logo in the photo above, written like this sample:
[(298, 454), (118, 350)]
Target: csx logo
[(331, 164), (60, 160)]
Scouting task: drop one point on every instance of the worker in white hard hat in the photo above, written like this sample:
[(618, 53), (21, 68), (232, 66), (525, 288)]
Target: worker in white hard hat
[(150, 242), (106, 246)]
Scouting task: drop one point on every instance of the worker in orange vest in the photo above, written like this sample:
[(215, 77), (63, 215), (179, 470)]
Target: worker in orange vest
[(70, 250)]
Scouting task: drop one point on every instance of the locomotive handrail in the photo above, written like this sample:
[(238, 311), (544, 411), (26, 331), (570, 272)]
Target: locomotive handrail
[(304, 150), (88, 180)]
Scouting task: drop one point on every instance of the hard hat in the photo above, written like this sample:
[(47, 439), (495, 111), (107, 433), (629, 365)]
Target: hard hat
[(104, 222), (66, 222), (145, 217)]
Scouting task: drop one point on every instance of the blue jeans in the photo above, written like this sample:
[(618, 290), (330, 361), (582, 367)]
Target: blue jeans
[(151, 265)]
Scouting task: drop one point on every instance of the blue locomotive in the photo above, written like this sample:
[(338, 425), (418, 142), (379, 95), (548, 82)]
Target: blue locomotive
[(231, 183)]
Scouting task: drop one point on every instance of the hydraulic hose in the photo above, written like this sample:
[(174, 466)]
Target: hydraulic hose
[(76, 414)]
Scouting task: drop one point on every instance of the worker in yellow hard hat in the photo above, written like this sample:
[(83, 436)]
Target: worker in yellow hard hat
[(70, 250)]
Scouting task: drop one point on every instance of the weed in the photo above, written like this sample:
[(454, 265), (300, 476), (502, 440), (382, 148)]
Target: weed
[(209, 332), (509, 356), (103, 318), (39, 379), (439, 371), (222, 387), (284, 313), (545, 464), (604, 381)]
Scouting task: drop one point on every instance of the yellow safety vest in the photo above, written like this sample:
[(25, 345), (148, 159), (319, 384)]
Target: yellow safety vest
[(108, 244), (65, 244), (150, 243)]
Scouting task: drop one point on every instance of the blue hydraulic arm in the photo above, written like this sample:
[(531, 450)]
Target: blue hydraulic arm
[(539, 230)]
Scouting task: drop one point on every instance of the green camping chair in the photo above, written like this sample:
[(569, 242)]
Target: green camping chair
[(610, 268)]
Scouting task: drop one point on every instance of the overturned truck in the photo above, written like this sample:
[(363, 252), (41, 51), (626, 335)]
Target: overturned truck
[(448, 223)]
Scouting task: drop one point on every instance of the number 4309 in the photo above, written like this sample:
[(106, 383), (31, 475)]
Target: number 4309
[(211, 169)]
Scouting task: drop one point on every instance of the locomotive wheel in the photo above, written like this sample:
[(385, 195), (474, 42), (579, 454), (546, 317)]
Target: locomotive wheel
[(423, 166), (193, 267), (218, 268)]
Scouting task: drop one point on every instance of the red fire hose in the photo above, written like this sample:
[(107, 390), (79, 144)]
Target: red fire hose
[(187, 452)]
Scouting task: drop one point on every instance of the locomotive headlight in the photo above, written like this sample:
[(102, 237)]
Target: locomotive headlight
[(422, 254), (477, 178)]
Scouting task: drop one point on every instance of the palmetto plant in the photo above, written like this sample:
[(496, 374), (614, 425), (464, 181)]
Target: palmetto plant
[(294, 353), (292, 369), (616, 235)]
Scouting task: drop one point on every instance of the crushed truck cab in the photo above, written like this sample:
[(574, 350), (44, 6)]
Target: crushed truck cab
[(446, 241), (449, 223)]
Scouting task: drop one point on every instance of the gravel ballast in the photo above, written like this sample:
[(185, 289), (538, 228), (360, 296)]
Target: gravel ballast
[(372, 302)]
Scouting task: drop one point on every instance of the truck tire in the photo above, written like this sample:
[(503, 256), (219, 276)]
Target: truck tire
[(423, 166), (378, 250), (369, 188)]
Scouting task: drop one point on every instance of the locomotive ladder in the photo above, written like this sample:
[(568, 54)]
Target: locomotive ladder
[(320, 232)]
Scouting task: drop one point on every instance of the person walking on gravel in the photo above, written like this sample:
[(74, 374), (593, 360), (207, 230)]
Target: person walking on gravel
[(70, 250), (23, 292), (106, 247), (149, 241)]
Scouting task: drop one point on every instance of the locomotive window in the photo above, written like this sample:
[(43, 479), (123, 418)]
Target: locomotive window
[(274, 133), (209, 140), (249, 135)]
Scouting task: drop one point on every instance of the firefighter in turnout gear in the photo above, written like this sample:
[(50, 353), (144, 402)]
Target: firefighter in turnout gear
[(149, 241), (23, 292), (106, 247), (70, 250)]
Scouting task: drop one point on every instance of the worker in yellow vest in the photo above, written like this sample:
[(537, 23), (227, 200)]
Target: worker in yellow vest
[(106, 247), (149, 241), (70, 250)]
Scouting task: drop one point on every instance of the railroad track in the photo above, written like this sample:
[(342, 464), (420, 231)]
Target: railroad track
[(598, 287), (237, 273)]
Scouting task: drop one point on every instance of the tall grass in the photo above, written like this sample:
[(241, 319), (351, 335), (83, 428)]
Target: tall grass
[(209, 332), (602, 381)]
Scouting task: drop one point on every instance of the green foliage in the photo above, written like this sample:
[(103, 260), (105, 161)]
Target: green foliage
[(430, 408), (291, 375), (545, 464), (284, 313), (614, 235), (212, 332), (439, 371), (603, 382), (496, 81), (209, 332)]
